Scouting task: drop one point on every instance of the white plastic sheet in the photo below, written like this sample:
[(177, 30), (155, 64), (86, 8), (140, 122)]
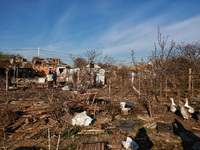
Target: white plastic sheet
[(41, 80), (130, 143), (82, 119), (65, 88)]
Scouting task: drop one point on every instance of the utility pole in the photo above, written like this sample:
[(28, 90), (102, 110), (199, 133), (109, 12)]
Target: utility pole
[(38, 51)]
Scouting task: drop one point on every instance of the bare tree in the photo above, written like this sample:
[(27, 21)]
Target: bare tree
[(153, 78), (91, 55), (160, 59), (107, 62), (133, 60)]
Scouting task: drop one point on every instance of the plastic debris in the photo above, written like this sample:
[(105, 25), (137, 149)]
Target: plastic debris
[(82, 119), (41, 80), (10, 88), (122, 104), (125, 111), (130, 143), (65, 88), (128, 103)]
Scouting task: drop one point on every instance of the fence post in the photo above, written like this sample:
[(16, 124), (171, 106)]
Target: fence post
[(166, 87), (109, 88), (192, 89), (139, 87), (7, 81), (190, 79), (49, 139)]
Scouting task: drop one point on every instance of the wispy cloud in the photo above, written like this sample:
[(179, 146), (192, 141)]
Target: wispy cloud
[(121, 38), (184, 31)]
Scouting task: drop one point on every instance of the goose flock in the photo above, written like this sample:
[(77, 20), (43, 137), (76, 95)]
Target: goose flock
[(185, 110)]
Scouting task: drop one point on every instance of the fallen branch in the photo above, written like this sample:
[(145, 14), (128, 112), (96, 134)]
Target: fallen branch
[(136, 90)]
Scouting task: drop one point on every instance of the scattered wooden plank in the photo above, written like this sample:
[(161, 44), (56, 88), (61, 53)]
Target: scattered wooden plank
[(92, 131), (17, 124), (95, 94), (35, 109), (196, 128), (88, 146), (134, 88)]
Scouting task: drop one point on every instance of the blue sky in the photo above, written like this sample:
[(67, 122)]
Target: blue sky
[(114, 27)]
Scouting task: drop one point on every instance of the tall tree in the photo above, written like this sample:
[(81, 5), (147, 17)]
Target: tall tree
[(80, 62)]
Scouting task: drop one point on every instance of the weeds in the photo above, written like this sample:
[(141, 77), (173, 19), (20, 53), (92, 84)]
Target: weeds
[(70, 130)]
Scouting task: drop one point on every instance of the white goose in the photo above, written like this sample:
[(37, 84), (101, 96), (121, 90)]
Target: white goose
[(173, 106), (184, 111), (190, 109)]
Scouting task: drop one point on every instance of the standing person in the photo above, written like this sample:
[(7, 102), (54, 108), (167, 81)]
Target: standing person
[(50, 80), (54, 76)]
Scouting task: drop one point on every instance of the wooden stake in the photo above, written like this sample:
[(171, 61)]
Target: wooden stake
[(192, 89), (139, 86), (49, 139), (58, 140), (95, 109), (166, 87), (190, 79), (109, 88), (7, 81)]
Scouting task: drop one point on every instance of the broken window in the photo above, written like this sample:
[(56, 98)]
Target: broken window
[(61, 70)]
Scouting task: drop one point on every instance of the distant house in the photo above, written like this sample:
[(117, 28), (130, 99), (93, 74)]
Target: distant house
[(97, 72), (18, 66)]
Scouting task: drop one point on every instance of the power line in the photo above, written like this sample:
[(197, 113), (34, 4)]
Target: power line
[(53, 52), (7, 49), (126, 59)]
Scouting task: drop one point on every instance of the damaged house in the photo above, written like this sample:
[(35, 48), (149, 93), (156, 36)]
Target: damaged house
[(97, 71), (44, 65), (18, 66)]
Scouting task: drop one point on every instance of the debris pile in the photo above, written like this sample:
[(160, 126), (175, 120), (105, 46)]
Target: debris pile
[(71, 117)]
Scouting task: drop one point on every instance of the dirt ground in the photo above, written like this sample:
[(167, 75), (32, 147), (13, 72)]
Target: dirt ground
[(32, 115)]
